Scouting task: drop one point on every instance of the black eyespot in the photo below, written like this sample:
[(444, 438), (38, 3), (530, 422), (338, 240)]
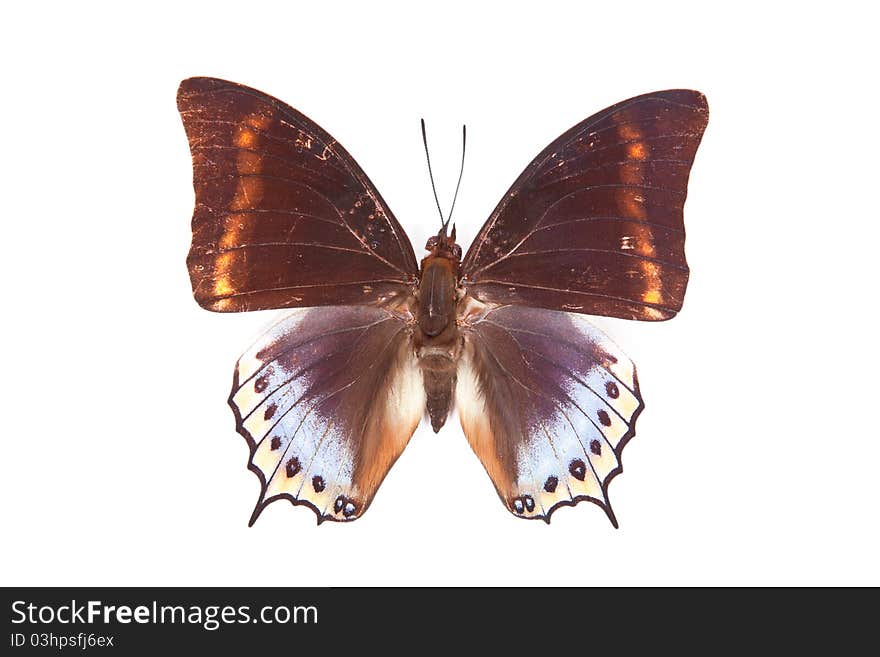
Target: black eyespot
[(293, 467)]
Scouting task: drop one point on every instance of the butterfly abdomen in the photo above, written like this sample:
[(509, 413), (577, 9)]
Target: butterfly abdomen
[(438, 359), (439, 387)]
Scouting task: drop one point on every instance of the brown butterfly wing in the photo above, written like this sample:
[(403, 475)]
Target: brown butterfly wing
[(327, 400), (594, 224), (547, 403), (284, 216)]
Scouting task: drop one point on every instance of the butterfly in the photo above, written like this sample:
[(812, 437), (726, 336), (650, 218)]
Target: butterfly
[(329, 397)]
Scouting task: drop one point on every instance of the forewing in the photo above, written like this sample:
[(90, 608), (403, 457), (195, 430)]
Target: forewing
[(594, 224), (547, 403), (284, 217), (327, 400)]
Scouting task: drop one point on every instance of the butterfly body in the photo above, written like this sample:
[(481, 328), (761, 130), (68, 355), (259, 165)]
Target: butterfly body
[(437, 340), (329, 397)]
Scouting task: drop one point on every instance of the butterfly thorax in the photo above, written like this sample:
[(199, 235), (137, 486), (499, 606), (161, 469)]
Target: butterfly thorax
[(437, 339)]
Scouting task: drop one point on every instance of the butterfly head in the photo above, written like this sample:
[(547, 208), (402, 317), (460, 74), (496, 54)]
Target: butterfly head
[(443, 246)]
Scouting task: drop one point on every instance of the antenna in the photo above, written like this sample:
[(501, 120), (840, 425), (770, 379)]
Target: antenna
[(431, 173), (461, 171), (445, 222)]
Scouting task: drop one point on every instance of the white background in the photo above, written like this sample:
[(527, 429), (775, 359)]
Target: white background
[(756, 459)]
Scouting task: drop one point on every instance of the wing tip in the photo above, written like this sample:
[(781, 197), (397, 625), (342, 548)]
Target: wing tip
[(202, 83), (189, 87), (258, 509), (691, 97)]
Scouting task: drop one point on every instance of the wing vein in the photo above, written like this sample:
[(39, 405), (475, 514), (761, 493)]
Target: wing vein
[(310, 285), (637, 256), (556, 340), (253, 245), (295, 213), (298, 374), (640, 222), (578, 292), (556, 203), (581, 172), (264, 155), (366, 246), (306, 341)]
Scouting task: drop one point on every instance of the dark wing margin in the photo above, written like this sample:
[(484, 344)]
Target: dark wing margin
[(284, 217), (547, 403), (327, 400), (595, 223)]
